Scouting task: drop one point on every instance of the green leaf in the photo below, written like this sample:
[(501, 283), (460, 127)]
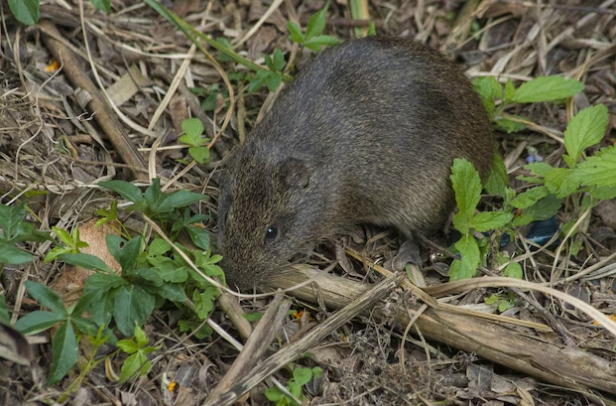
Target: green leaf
[(98, 283), (273, 394), (510, 126), (561, 183), (204, 301), (125, 252), (133, 364), (545, 208), (140, 337), (604, 193), (128, 191), (492, 299), (583, 131), (200, 154), (273, 81), (252, 317), (467, 267), (296, 33), (86, 261), (598, 170), (513, 270), (199, 236), (101, 5), (64, 351), (9, 254), (172, 292), (45, 297), (132, 305), (37, 321), (497, 180), (25, 11), (10, 217), (493, 220), (193, 127), (539, 168), (128, 346), (302, 375), (547, 88), (180, 199), (530, 197), (488, 89), (316, 24), (315, 44), (467, 188), (158, 246)]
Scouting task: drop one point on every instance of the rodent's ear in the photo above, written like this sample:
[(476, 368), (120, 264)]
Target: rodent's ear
[(296, 173)]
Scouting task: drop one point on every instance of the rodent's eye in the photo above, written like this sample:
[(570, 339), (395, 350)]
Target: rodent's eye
[(271, 233)]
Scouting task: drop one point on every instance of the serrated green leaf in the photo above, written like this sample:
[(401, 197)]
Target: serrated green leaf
[(25, 11), (583, 131), (530, 197), (64, 351), (491, 220), (497, 180), (467, 187), (514, 270), (545, 208), (598, 170), (204, 301), (539, 168), (467, 267), (128, 346), (278, 60), (547, 88), (193, 127), (560, 182), (133, 364), (128, 191), (101, 5), (604, 193), (200, 154), (488, 89), (45, 297), (85, 261), (38, 321)]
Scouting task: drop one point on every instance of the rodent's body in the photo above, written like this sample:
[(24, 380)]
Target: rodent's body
[(367, 133)]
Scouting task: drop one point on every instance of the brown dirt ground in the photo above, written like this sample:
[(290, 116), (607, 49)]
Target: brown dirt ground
[(50, 142)]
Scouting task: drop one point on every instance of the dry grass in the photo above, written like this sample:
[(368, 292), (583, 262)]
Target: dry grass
[(411, 348)]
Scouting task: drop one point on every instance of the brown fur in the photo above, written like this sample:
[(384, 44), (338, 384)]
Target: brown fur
[(367, 133)]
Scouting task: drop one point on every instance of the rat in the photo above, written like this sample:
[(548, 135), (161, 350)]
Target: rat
[(365, 134)]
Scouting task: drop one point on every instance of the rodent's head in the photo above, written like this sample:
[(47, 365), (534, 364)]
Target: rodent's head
[(260, 217)]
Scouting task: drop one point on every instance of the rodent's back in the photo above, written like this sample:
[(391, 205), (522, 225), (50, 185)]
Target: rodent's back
[(377, 122)]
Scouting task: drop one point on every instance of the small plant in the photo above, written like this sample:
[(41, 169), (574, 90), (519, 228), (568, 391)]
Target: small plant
[(138, 350), (301, 376), (72, 244), (271, 77), (70, 323), (193, 129), (541, 89), (584, 180), (313, 38), (16, 230)]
